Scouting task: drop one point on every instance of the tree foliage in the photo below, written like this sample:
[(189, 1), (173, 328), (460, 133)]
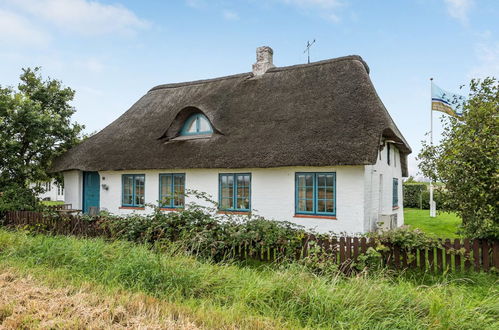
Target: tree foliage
[(467, 161), (35, 127)]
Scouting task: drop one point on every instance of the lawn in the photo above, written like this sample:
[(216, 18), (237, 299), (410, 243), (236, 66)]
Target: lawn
[(51, 203), (444, 225), (217, 295)]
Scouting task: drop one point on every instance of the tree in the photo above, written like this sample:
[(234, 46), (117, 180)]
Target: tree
[(35, 127), (467, 161)]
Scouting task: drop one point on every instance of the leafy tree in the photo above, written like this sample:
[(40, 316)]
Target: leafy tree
[(35, 127), (467, 161)]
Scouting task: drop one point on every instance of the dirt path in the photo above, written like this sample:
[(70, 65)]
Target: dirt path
[(26, 304)]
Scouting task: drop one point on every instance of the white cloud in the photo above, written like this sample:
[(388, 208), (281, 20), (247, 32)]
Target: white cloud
[(230, 15), (91, 64), (487, 55), (195, 3), (459, 9), (18, 30), (84, 16)]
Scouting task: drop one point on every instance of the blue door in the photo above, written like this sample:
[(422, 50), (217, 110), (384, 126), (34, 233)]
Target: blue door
[(91, 191)]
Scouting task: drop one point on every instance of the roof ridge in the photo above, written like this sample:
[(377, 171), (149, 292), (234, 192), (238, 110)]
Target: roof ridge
[(250, 74)]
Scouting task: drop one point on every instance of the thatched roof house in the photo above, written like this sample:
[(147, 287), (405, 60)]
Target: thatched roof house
[(321, 114)]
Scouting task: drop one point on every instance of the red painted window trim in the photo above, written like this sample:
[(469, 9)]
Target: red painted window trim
[(395, 207), (234, 212), (131, 208), (315, 216)]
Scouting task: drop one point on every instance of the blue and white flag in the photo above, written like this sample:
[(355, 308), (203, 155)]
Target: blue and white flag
[(446, 102)]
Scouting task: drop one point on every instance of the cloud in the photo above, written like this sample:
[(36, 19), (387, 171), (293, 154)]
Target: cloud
[(459, 9), (487, 55), (195, 3), (18, 30), (230, 15), (83, 16)]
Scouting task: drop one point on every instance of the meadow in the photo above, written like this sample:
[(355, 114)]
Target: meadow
[(444, 225), (233, 295)]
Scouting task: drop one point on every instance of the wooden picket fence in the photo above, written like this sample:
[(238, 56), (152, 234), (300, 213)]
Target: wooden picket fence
[(449, 255)]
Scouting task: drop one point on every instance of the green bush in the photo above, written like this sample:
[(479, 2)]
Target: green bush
[(417, 195), (413, 194)]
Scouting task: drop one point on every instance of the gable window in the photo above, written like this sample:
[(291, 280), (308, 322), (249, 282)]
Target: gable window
[(316, 193), (133, 186), (235, 191), (196, 124), (172, 190), (395, 198)]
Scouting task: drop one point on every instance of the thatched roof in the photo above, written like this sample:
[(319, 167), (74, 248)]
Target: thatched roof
[(320, 114)]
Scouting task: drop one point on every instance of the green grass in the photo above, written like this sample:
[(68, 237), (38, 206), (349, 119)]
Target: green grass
[(287, 296), (444, 225), (51, 203)]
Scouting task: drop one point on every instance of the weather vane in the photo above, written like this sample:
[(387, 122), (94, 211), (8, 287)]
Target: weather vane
[(307, 50)]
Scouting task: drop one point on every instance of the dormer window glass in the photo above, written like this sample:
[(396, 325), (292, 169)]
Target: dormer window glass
[(196, 124)]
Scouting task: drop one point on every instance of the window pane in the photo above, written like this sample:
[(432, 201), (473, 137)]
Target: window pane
[(329, 206), (139, 189), (166, 190), (309, 179), (192, 126), (329, 193), (127, 190), (330, 180), (309, 205), (179, 189), (321, 180), (321, 205), (226, 203), (204, 125)]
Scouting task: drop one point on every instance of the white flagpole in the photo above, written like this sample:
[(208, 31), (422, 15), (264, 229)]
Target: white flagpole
[(433, 207)]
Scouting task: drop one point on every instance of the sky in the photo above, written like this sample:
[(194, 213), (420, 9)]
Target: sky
[(113, 52)]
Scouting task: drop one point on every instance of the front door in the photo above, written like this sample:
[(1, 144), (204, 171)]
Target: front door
[(91, 191)]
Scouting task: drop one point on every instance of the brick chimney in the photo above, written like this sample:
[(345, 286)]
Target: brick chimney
[(264, 61)]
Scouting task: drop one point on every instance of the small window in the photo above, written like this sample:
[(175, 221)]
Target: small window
[(196, 124), (395, 198), (172, 190), (388, 153), (133, 186), (235, 191), (60, 190), (316, 193)]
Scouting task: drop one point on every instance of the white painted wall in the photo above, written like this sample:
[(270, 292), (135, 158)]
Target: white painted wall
[(272, 193), (73, 188), (51, 191), (373, 205)]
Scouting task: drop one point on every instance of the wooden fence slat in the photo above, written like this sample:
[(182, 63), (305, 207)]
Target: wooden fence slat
[(467, 254), (342, 250), (457, 257), (448, 259), (485, 255), (440, 262), (476, 254), (495, 255), (356, 246)]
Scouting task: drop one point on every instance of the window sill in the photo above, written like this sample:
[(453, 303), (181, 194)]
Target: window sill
[(178, 209), (314, 216), (234, 212), (132, 208), (395, 207)]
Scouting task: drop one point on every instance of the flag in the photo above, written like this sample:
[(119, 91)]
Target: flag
[(445, 101)]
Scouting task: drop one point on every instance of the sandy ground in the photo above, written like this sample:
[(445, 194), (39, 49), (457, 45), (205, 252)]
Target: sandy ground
[(26, 304)]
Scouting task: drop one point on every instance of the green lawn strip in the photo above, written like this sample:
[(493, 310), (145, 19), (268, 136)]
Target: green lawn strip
[(287, 294), (51, 203), (444, 225)]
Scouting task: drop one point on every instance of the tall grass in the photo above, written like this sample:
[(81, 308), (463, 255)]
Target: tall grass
[(287, 294)]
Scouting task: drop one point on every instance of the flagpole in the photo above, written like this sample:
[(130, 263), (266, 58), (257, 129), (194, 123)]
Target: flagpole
[(432, 203)]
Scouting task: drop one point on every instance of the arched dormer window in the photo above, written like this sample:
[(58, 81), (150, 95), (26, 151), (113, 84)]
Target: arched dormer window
[(196, 124)]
